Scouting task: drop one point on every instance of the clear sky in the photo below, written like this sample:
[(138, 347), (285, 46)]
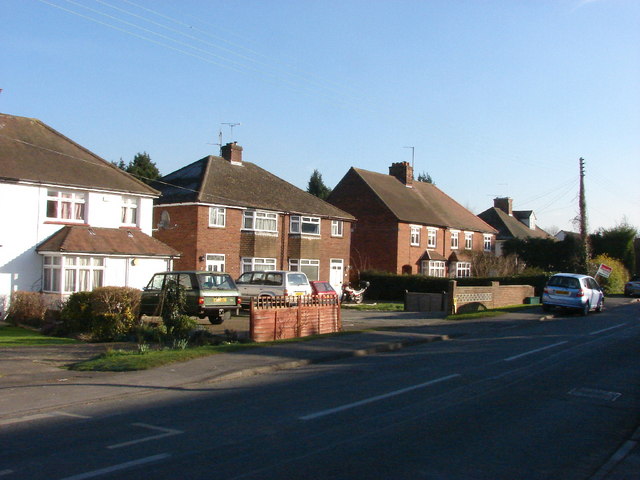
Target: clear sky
[(497, 97)]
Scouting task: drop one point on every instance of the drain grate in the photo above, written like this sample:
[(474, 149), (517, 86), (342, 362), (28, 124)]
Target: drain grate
[(595, 394)]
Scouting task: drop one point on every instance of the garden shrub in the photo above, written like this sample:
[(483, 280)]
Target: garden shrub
[(107, 327), (27, 308), (76, 313), (180, 326), (619, 275)]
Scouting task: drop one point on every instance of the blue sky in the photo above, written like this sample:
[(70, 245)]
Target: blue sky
[(498, 98)]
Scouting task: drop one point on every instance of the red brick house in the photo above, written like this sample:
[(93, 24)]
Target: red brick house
[(406, 226), (511, 223), (223, 213)]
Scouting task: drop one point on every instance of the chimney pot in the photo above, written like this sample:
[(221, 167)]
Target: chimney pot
[(232, 152), (505, 204), (403, 171)]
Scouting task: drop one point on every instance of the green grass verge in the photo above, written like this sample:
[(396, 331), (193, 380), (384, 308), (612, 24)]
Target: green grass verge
[(21, 337), (381, 306), (493, 312), (123, 360)]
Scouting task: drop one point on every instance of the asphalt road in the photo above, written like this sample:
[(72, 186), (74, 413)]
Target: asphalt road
[(534, 400)]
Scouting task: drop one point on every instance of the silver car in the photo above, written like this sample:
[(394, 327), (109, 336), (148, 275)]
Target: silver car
[(573, 291)]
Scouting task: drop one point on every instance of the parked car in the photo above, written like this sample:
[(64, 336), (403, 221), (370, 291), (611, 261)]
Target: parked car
[(573, 291), (323, 289), (208, 294), (272, 283), (632, 287)]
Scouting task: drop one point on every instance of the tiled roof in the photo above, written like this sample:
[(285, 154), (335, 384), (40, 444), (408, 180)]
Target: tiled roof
[(32, 151), (105, 241), (424, 203), (510, 227), (215, 180)]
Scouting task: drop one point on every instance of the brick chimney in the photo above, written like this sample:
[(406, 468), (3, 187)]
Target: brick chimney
[(232, 152), (505, 204), (403, 172)]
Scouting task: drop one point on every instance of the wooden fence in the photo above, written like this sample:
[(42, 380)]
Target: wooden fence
[(277, 318)]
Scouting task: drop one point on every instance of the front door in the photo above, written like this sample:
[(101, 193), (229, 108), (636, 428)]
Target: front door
[(336, 274)]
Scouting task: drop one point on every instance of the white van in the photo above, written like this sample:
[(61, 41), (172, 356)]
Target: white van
[(272, 283)]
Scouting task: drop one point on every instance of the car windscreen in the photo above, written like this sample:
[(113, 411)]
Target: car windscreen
[(565, 282), (212, 281)]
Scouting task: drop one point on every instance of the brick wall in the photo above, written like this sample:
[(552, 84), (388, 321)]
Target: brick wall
[(467, 299)]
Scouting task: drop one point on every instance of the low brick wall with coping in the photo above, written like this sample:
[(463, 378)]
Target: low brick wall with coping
[(471, 299)]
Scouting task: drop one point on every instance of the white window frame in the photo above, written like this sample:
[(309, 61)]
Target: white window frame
[(215, 262), (129, 211), (260, 221), (487, 242), (432, 237), (217, 217), (69, 206), (305, 225), (468, 240), (415, 235), (69, 274), (310, 267), (455, 241), (256, 263), (463, 269), (434, 268), (337, 228)]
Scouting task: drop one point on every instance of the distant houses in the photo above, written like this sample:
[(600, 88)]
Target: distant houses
[(409, 227)]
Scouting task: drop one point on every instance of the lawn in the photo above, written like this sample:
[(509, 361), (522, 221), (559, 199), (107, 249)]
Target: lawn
[(21, 337)]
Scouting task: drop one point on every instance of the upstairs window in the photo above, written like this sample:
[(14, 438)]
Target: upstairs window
[(129, 211), (432, 238), (305, 225), (415, 235), (336, 228), (487, 243), (260, 221), (454, 239), (468, 240), (217, 216), (65, 206)]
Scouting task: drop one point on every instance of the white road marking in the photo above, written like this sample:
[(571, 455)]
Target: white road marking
[(166, 432), (39, 416), (5, 472), (607, 329), (331, 411), (120, 466), (530, 352)]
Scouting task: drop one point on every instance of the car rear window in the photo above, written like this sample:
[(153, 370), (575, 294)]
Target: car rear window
[(566, 282), (216, 282), (297, 279)]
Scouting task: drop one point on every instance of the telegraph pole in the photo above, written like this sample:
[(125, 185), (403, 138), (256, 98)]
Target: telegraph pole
[(584, 250)]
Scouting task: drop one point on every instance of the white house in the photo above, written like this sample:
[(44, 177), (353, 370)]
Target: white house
[(71, 221)]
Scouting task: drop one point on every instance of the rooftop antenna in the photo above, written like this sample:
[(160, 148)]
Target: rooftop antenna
[(230, 125), (219, 141), (413, 153)]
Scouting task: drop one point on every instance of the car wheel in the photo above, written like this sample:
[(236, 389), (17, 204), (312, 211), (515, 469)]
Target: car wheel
[(219, 319), (585, 309), (546, 308), (600, 305)]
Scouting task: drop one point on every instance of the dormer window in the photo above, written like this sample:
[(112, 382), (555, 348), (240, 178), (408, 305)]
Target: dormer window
[(65, 206)]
